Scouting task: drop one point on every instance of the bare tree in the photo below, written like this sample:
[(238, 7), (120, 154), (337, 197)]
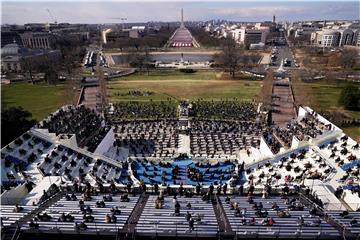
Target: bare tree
[(348, 58), (28, 66), (140, 59), (230, 57)]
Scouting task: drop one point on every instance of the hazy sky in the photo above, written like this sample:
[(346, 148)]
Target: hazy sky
[(20, 12)]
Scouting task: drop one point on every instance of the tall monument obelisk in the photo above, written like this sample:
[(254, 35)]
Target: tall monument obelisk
[(182, 19)]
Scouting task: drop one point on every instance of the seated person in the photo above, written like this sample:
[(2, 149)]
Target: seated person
[(243, 212), (115, 210), (227, 200), (354, 222), (87, 210), (34, 225), (69, 218), (81, 202), (87, 197), (271, 221), (107, 218), (198, 218), (233, 205), (18, 209), (158, 204), (260, 213), (100, 204), (107, 198), (124, 198), (62, 218), (275, 206), (68, 197), (300, 221), (237, 212), (283, 214), (252, 221), (188, 205), (44, 217), (88, 218), (313, 210), (73, 197), (344, 214), (255, 206), (113, 218), (315, 223), (82, 226)]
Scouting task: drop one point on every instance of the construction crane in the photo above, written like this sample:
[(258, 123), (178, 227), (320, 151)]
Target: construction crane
[(52, 17), (122, 20)]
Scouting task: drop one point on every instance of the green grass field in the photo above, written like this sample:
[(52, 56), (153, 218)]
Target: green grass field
[(174, 84), (353, 132), (326, 96), (40, 99)]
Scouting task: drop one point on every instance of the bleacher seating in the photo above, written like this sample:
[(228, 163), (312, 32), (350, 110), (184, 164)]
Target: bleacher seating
[(99, 213), (9, 216), (163, 221), (345, 221), (288, 227)]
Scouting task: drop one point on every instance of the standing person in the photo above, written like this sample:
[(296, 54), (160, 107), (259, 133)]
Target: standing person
[(191, 224)]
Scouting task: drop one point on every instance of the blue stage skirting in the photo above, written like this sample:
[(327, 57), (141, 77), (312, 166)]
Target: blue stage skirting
[(347, 166), (150, 174)]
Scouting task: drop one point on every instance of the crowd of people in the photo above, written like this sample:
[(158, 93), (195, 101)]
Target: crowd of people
[(78, 120), (92, 144), (147, 138), (144, 110), (300, 131), (211, 137), (271, 140), (225, 109)]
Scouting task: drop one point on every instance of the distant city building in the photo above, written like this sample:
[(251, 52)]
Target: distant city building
[(249, 36), (81, 35), (42, 40), (325, 33), (335, 37), (12, 56)]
